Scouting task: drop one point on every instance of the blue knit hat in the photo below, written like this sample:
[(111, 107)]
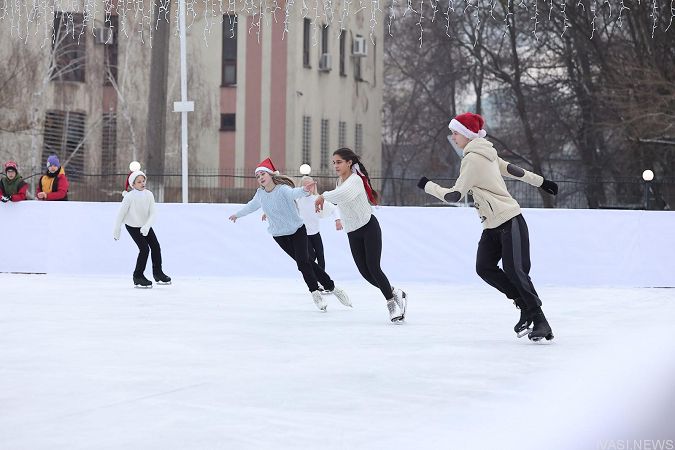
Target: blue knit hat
[(53, 160)]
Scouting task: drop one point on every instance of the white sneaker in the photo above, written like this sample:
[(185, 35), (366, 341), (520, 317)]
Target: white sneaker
[(342, 296), (394, 312), (319, 301), (401, 299)]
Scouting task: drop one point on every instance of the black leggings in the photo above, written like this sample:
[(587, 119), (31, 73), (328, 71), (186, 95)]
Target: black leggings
[(316, 249), (295, 245), (146, 244), (509, 242), (366, 246)]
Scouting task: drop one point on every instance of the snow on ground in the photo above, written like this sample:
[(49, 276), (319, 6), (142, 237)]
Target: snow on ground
[(243, 363)]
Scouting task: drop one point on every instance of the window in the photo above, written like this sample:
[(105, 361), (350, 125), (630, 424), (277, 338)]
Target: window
[(325, 142), (358, 138), (305, 42), (324, 39), (110, 52), (306, 140), (229, 70), (357, 69), (228, 122), (342, 134), (64, 133), (343, 40), (68, 47), (109, 141)]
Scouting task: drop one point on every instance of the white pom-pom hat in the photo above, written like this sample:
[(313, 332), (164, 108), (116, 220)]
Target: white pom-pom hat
[(135, 174)]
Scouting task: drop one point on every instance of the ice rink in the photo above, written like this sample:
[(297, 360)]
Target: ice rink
[(248, 363)]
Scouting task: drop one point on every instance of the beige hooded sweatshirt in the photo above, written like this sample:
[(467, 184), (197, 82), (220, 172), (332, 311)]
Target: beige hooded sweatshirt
[(481, 176)]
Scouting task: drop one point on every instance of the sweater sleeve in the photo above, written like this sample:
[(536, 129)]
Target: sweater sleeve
[(462, 186), (296, 193), (152, 211), (347, 191), (251, 206), (21, 195), (512, 171), (124, 209)]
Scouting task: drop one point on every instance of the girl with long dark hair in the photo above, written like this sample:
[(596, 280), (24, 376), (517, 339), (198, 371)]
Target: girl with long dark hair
[(354, 195)]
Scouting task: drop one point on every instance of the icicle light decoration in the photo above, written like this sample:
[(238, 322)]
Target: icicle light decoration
[(34, 19)]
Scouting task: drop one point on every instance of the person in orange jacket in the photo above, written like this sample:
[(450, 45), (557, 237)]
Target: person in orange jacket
[(53, 185)]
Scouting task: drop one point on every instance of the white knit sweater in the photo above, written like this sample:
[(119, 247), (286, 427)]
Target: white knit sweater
[(137, 210), (308, 213), (351, 198)]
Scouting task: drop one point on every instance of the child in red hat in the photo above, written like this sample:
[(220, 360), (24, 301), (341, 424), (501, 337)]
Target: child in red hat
[(276, 196), (505, 235), (12, 187)]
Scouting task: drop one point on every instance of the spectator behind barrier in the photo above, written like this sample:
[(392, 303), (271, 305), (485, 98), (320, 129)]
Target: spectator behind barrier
[(12, 186), (53, 185)]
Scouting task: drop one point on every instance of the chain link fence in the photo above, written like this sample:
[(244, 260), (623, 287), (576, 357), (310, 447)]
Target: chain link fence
[(238, 186)]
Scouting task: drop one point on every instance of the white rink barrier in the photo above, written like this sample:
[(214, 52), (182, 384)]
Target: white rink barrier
[(568, 247)]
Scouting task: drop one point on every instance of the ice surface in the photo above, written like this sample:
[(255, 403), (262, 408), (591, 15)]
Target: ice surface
[(249, 363)]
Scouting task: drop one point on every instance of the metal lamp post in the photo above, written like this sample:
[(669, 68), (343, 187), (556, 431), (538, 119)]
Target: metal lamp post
[(647, 176), (184, 106)]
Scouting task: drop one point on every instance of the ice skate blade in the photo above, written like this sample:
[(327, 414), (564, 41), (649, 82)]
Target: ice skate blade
[(524, 332), (163, 282), (548, 337), (398, 320), (138, 286)]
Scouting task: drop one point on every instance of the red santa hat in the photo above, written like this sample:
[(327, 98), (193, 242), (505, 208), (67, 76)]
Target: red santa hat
[(469, 125), (266, 166)]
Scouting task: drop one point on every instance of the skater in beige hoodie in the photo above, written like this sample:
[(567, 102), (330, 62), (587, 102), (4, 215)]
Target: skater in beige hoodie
[(505, 235)]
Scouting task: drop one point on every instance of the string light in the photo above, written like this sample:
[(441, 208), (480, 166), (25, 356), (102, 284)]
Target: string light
[(136, 19)]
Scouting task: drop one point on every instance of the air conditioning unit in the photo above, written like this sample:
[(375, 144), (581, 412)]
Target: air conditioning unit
[(104, 36), (325, 63), (359, 46)]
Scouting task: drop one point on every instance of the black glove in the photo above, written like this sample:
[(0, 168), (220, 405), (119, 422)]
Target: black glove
[(5, 199), (423, 182), (550, 186)]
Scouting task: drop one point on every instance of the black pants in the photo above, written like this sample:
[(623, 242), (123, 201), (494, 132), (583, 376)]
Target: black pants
[(316, 249), (509, 242), (146, 244), (295, 245), (366, 246)]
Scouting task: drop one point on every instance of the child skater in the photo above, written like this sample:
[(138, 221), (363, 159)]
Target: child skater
[(138, 214), (505, 235), (354, 196), (310, 217), (276, 196)]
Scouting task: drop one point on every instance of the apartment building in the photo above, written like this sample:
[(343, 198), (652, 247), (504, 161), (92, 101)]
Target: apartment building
[(293, 91)]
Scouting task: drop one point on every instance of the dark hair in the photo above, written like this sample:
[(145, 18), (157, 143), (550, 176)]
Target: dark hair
[(348, 155)]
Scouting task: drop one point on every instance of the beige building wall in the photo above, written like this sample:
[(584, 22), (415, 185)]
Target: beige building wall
[(328, 95), (308, 92)]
